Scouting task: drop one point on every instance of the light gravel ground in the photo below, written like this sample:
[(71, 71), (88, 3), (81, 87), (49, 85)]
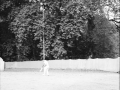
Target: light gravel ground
[(32, 79)]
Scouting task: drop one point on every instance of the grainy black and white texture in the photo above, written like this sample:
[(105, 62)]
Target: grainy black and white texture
[(33, 30)]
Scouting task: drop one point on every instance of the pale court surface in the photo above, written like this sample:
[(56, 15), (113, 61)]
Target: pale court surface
[(23, 79)]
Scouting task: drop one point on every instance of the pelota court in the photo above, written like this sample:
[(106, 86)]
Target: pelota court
[(32, 79)]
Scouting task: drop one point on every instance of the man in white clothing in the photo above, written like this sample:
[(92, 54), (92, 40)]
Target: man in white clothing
[(45, 67)]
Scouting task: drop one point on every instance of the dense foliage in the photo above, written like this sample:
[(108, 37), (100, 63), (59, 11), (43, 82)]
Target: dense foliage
[(71, 29)]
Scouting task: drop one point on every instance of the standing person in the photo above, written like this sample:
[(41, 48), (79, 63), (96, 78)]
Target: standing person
[(45, 67)]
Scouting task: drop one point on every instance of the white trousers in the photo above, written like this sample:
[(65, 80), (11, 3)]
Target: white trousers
[(46, 70)]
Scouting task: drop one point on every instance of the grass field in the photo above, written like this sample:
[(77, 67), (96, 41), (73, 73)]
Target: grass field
[(32, 79)]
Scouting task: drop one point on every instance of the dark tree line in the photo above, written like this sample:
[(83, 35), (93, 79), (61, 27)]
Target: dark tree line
[(73, 30)]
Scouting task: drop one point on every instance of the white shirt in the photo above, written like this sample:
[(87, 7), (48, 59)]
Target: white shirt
[(46, 63)]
